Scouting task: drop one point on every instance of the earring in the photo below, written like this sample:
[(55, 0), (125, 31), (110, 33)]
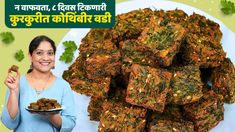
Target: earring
[(31, 66), (53, 67)]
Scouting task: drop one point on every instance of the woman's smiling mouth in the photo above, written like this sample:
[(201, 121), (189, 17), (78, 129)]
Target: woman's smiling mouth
[(45, 63)]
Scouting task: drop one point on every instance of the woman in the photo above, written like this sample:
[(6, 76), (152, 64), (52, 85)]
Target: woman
[(38, 83)]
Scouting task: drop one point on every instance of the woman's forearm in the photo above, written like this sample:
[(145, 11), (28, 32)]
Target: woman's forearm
[(56, 120), (12, 104)]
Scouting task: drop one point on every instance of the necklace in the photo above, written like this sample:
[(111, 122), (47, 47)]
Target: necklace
[(38, 92)]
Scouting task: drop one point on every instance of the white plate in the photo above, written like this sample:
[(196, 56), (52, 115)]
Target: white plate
[(83, 122), (44, 111)]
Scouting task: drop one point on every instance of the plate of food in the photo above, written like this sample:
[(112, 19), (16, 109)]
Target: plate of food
[(44, 106), (162, 45), (55, 110)]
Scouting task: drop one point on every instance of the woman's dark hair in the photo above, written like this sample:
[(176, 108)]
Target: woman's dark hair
[(36, 42)]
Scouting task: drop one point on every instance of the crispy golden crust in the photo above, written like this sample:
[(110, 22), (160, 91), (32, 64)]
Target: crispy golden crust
[(172, 119), (99, 65), (96, 39), (207, 112), (130, 25), (75, 75), (171, 112), (177, 16), (203, 46), (123, 118), (223, 80), (162, 40), (171, 126), (98, 105), (132, 54), (207, 104), (88, 87), (208, 122), (148, 87), (186, 85), (95, 108)]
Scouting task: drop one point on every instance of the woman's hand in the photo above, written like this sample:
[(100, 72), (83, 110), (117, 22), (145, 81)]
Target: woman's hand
[(56, 120), (12, 81)]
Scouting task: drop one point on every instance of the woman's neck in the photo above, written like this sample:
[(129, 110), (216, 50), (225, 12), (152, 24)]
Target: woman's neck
[(40, 75)]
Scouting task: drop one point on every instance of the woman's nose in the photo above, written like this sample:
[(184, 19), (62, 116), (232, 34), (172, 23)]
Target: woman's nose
[(45, 56)]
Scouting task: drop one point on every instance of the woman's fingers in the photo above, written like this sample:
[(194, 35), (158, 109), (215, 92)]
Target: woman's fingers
[(12, 77), (9, 80)]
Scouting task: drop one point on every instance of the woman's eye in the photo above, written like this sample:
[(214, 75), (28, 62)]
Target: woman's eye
[(50, 53), (39, 53)]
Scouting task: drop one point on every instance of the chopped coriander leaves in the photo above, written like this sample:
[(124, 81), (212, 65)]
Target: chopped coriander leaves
[(67, 55), (19, 55), (7, 37), (228, 7)]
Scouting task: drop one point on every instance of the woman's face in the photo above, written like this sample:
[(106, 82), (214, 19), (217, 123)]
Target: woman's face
[(43, 58)]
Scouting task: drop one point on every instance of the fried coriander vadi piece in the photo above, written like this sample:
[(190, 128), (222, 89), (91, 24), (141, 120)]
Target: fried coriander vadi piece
[(105, 46), (102, 64), (95, 108), (75, 75), (98, 105), (186, 85), (207, 112), (206, 27), (148, 87), (75, 70), (209, 122), (13, 68), (162, 40), (44, 104), (89, 87), (209, 103), (95, 39), (123, 118), (223, 80), (130, 25), (171, 126), (101, 59), (172, 119), (132, 54), (171, 112), (177, 16), (116, 99), (203, 46)]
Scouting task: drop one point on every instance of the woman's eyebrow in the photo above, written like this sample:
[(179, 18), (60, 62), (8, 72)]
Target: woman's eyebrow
[(45, 50)]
